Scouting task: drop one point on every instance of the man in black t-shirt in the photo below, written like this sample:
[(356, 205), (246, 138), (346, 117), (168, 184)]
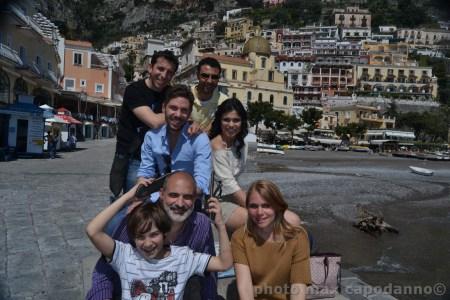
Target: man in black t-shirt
[(141, 110)]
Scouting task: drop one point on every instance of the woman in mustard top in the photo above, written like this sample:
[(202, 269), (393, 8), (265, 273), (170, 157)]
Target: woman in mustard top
[(271, 257)]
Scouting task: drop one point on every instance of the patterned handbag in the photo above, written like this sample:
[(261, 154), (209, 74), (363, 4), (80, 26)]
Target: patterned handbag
[(325, 275)]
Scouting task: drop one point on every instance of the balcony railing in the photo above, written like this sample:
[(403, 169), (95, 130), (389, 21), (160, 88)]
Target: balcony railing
[(50, 75), (10, 54), (425, 79), (26, 19)]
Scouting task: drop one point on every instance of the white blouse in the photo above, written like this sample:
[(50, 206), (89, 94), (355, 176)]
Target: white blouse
[(227, 167)]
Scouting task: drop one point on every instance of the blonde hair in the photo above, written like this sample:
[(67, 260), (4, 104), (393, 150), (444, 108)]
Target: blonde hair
[(270, 193)]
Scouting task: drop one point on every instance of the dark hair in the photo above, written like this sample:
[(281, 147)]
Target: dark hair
[(227, 106), (166, 54), (142, 218), (212, 62), (179, 90)]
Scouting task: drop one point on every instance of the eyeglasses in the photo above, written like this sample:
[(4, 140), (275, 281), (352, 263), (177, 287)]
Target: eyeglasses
[(212, 76)]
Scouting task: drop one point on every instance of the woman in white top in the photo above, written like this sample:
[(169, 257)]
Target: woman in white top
[(229, 152)]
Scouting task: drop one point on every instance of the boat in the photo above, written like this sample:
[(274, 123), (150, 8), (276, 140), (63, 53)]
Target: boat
[(313, 147), (269, 150), (421, 171), (270, 146), (342, 148), (360, 149), (291, 147)]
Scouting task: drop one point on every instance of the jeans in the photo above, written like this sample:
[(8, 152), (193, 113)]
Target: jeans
[(133, 167), (52, 149)]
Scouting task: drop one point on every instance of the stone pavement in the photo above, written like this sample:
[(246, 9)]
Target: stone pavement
[(45, 205)]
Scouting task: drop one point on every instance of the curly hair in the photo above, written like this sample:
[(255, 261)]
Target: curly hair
[(231, 104)]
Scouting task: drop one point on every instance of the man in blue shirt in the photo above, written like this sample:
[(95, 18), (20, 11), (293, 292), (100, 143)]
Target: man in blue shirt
[(171, 148)]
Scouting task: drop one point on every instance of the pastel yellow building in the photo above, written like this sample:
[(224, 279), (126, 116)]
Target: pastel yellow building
[(410, 81), (237, 29), (386, 53), (254, 77), (368, 115)]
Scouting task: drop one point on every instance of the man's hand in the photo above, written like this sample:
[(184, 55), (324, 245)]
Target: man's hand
[(194, 128)]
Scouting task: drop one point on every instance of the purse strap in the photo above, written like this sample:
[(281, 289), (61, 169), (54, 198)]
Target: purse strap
[(326, 267)]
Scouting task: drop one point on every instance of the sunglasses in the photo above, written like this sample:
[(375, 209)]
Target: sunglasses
[(212, 76)]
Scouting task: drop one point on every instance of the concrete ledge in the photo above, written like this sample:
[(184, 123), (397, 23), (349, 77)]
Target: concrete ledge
[(87, 266)]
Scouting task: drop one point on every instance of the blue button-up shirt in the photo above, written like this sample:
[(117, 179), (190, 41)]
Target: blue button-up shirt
[(191, 154)]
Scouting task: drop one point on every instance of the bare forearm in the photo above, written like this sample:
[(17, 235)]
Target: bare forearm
[(148, 117), (239, 197), (159, 121), (225, 250), (298, 291), (100, 221), (245, 292), (244, 282)]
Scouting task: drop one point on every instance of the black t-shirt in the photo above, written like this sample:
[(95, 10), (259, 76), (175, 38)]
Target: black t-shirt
[(131, 131)]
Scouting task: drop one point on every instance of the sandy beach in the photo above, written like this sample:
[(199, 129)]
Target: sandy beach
[(324, 188)]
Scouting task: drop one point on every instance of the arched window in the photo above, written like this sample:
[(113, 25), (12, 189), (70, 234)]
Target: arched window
[(249, 96), (285, 100), (4, 87), (20, 88), (263, 62), (271, 99), (41, 97), (260, 97)]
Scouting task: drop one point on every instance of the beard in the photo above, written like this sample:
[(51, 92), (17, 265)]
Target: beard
[(182, 212)]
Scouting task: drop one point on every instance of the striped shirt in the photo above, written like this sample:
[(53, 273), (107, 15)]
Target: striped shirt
[(196, 234), (163, 278)]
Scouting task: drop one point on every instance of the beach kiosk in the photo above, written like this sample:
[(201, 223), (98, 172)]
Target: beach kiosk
[(25, 127)]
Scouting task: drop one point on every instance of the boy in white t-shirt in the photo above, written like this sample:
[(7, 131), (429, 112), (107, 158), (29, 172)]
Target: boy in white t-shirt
[(152, 270)]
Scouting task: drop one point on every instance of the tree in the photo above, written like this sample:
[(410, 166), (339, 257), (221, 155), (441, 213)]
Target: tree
[(275, 120), (310, 117), (257, 112), (293, 123), (414, 121), (352, 130), (128, 67), (392, 110)]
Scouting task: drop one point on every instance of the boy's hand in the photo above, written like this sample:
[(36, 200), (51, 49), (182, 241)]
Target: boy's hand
[(214, 207), (133, 205), (144, 181)]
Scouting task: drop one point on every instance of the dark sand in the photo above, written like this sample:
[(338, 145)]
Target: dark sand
[(324, 188)]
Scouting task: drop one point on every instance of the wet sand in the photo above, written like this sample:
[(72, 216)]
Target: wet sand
[(324, 188)]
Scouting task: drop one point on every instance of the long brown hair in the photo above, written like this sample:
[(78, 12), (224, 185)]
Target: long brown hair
[(270, 193)]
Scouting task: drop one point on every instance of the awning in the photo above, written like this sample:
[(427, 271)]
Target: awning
[(63, 111), (326, 141), (69, 119), (380, 142), (24, 107), (48, 111), (46, 107), (55, 119)]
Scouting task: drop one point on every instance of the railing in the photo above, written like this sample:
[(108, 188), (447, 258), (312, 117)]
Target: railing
[(26, 19), (36, 69), (50, 75), (10, 54)]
